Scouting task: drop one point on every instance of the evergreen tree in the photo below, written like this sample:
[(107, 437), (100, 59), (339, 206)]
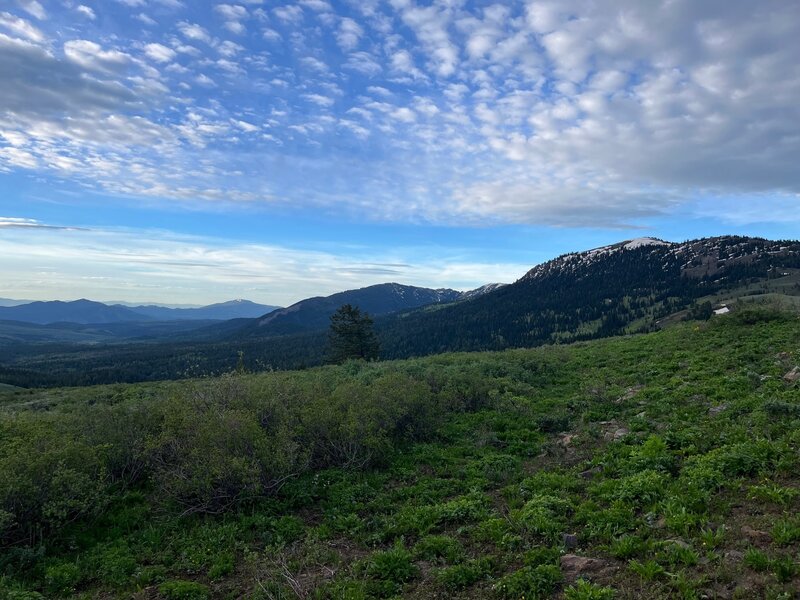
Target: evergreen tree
[(351, 335)]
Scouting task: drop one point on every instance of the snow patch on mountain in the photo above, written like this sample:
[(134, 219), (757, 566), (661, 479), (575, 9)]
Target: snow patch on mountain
[(644, 241)]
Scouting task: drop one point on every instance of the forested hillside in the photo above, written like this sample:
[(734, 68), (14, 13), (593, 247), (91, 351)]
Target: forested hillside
[(654, 466), (629, 287)]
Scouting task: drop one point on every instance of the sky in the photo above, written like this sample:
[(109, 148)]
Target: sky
[(193, 152)]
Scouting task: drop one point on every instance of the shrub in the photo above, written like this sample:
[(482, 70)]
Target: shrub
[(62, 578), (756, 559), (530, 582), (464, 575), (438, 547), (184, 590), (584, 590), (394, 566)]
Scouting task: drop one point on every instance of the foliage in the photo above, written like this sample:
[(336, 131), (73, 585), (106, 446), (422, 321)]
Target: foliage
[(351, 335), (443, 476)]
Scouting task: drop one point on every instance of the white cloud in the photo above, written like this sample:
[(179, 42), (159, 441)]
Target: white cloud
[(21, 27), (90, 55), (46, 262), (195, 32), (86, 11), (33, 8), (159, 53), (349, 34)]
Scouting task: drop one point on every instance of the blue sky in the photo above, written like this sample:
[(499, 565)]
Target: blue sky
[(193, 152)]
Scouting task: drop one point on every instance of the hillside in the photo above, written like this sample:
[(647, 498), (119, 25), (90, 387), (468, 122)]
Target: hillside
[(623, 288), (377, 300), (655, 466), (635, 286)]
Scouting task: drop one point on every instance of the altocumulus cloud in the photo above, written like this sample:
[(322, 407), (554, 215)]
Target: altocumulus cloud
[(565, 113)]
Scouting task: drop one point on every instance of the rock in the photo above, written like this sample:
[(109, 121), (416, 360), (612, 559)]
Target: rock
[(641, 415), (574, 567), (566, 439), (733, 556), (621, 432), (792, 376), (756, 535), (589, 473), (678, 542), (570, 541), (630, 393), (783, 355), (715, 410)]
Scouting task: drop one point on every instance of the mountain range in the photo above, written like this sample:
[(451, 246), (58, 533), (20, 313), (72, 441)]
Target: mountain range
[(88, 312), (376, 300), (629, 287)]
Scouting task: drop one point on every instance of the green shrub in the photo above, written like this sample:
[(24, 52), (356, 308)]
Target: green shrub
[(627, 546), (648, 571), (584, 590), (529, 582), (642, 489), (756, 559), (784, 568), (62, 577), (394, 566), (184, 590), (786, 531), (438, 547), (772, 492), (461, 576)]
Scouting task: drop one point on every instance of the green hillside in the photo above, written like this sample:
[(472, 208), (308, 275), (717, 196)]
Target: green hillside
[(664, 465)]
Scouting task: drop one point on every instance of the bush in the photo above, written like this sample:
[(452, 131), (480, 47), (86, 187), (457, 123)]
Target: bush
[(530, 582), (584, 590), (184, 590), (62, 578), (394, 566), (438, 547), (464, 575)]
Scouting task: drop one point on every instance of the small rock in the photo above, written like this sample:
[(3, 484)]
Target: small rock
[(570, 541), (678, 542), (641, 415), (566, 439), (574, 567), (792, 376), (783, 355), (621, 432), (589, 473), (756, 535), (734, 556), (715, 410)]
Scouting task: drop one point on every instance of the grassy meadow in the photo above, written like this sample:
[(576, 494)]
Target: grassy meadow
[(664, 465)]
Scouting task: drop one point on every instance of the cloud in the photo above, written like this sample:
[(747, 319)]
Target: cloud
[(49, 262), (91, 55), (159, 53), (21, 27), (86, 11), (33, 8)]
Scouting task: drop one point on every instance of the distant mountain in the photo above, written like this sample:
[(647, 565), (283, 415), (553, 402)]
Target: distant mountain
[(314, 313), (78, 311), (623, 288), (10, 302), (86, 312), (234, 309)]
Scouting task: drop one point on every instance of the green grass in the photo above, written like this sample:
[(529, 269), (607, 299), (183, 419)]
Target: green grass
[(458, 475)]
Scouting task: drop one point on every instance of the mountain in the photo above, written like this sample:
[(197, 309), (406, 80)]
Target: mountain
[(88, 312), (623, 288), (234, 309), (78, 311), (314, 313)]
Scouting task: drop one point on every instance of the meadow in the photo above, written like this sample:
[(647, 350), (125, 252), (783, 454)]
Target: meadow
[(664, 465)]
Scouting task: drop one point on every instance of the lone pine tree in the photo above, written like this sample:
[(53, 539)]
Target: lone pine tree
[(351, 335)]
